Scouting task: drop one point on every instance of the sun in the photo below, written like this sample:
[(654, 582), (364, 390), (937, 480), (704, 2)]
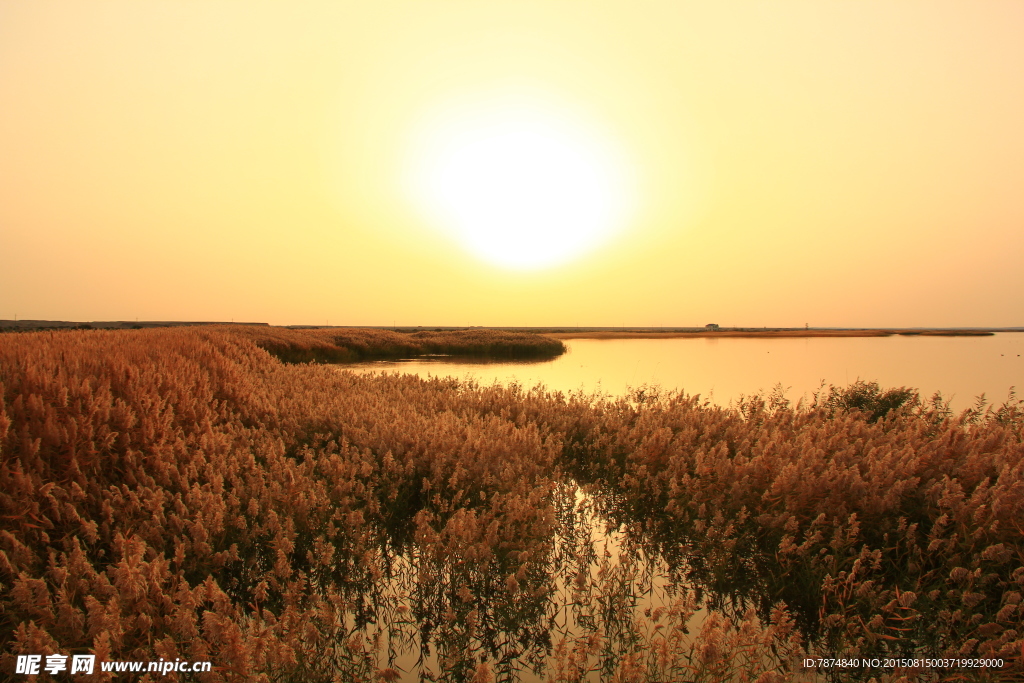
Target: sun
[(520, 184)]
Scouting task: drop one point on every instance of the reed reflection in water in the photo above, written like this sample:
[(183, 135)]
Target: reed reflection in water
[(597, 602)]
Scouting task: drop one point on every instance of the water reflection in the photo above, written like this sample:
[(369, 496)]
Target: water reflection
[(961, 368), (590, 602)]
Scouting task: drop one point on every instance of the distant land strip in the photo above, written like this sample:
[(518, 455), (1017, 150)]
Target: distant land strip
[(25, 325), (307, 344), (563, 332), (738, 332)]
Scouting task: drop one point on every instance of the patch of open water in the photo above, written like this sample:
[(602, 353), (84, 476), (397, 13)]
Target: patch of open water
[(723, 369)]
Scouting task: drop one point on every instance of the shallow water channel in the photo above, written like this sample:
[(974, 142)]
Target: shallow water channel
[(597, 600)]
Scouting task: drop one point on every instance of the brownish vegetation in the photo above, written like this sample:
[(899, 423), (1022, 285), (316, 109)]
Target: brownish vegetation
[(334, 345), (888, 526), (181, 493)]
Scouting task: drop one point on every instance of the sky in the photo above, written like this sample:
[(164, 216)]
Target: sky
[(513, 163)]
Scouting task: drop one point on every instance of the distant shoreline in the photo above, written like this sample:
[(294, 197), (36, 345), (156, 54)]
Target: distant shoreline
[(563, 332), (714, 334)]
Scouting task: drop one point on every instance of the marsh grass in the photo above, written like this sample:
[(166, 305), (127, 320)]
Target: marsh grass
[(340, 345), (182, 493)]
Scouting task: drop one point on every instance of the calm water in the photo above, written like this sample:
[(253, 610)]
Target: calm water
[(722, 369)]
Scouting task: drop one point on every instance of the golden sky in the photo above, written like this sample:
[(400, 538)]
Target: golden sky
[(831, 163)]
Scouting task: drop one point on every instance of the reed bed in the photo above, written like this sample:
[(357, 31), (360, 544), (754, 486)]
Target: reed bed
[(334, 345), (887, 525), (182, 493)]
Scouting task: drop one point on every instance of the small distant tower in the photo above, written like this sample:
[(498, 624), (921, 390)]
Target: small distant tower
[(711, 327), (807, 326)]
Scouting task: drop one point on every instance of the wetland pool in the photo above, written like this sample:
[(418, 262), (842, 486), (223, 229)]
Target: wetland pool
[(723, 369)]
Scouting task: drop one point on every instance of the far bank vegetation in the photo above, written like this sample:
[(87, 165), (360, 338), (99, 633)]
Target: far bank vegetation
[(343, 345)]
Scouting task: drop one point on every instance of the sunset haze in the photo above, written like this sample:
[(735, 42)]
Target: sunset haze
[(836, 164)]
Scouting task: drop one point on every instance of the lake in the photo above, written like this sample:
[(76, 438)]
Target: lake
[(723, 369)]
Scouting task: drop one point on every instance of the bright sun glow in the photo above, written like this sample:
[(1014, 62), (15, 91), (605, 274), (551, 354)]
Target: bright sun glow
[(520, 185)]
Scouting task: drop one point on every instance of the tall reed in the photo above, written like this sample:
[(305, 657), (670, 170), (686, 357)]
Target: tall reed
[(182, 493)]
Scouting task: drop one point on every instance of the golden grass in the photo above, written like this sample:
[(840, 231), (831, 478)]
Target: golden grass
[(334, 345), (181, 493)]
